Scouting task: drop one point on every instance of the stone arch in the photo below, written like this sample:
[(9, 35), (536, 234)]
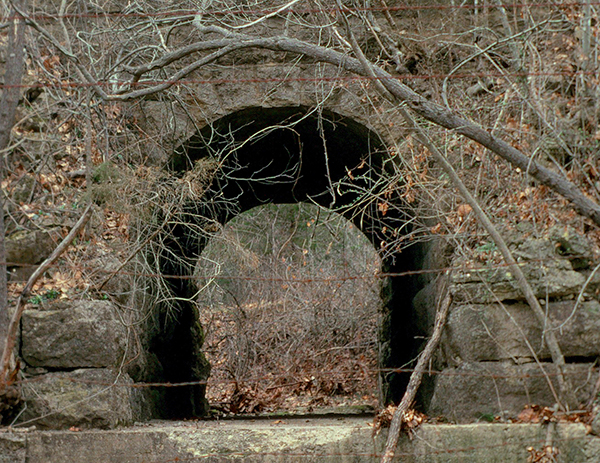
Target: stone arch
[(291, 154), (225, 91)]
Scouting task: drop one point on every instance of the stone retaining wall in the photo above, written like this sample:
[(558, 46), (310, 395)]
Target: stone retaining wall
[(493, 353), (79, 359)]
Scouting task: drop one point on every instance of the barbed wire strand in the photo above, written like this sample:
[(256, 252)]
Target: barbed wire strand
[(379, 275), (300, 11)]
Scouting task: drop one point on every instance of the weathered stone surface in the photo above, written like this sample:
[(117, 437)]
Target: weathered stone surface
[(425, 304), (13, 447), (108, 270), (596, 421), (494, 443), (28, 247), (571, 245), (169, 125), (485, 389), (592, 450), (307, 441), (555, 266), (73, 335), (87, 398), (22, 191), (491, 332), (548, 279)]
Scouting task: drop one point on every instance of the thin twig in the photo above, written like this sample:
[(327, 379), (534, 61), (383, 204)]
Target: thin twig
[(131, 256), (579, 298), (267, 16), (550, 338)]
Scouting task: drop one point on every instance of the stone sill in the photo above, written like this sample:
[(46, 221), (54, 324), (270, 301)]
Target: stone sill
[(347, 439)]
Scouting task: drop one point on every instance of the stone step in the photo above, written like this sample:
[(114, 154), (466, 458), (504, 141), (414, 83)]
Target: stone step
[(348, 439)]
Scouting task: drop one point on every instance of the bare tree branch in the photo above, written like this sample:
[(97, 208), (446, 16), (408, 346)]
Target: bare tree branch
[(267, 16), (415, 380), (429, 110), (557, 356)]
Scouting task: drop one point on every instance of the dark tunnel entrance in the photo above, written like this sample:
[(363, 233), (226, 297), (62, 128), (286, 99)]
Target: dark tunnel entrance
[(287, 155)]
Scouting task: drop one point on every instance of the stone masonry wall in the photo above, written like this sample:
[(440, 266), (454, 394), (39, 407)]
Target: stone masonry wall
[(494, 357), (80, 357)]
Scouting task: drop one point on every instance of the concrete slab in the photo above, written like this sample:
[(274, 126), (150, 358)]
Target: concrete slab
[(294, 440)]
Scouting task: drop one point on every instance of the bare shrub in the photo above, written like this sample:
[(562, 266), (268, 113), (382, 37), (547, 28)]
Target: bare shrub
[(289, 307)]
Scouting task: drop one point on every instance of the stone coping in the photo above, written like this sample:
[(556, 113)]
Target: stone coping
[(347, 439)]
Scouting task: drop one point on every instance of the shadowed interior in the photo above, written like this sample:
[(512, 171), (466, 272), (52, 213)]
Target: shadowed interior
[(285, 155)]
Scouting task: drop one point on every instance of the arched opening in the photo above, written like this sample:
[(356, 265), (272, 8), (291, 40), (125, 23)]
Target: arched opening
[(289, 299), (289, 155)]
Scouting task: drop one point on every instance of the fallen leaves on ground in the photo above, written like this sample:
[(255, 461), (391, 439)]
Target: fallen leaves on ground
[(411, 421), (246, 399), (538, 414), (546, 455)]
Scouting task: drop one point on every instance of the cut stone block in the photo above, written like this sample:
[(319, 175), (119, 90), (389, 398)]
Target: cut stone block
[(82, 334), (13, 448), (483, 285), (308, 441), (555, 266), (28, 247), (482, 390), (89, 398), (480, 332)]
